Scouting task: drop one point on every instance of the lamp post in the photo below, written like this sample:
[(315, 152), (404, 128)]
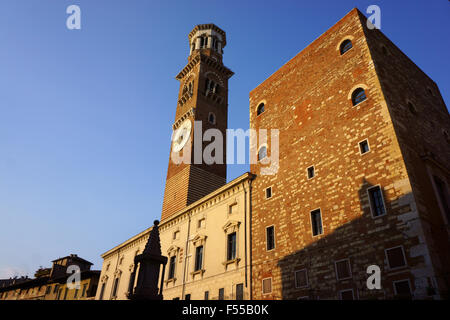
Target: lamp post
[(149, 264)]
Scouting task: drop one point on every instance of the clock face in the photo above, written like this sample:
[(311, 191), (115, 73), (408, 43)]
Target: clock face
[(181, 135)]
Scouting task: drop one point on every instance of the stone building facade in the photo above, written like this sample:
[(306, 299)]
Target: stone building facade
[(362, 182), (52, 283), (205, 222), (363, 173), (223, 271)]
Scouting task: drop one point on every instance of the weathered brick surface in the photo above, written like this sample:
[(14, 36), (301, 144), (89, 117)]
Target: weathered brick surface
[(309, 101), (186, 183)]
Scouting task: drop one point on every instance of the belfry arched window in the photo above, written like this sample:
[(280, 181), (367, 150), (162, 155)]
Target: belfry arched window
[(358, 96), (211, 86), (345, 46)]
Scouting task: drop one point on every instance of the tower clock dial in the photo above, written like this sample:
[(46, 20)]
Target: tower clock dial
[(181, 135)]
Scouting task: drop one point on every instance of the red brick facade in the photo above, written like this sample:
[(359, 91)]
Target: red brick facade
[(186, 183), (406, 125)]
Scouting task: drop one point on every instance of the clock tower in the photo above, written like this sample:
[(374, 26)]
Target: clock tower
[(202, 105)]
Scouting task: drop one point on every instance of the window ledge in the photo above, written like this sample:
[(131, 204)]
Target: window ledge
[(236, 261), (171, 280), (201, 272), (360, 103)]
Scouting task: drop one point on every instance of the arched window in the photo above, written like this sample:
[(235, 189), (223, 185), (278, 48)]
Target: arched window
[(211, 86), (260, 109), (262, 153), (212, 118), (358, 96), (345, 46), (412, 108)]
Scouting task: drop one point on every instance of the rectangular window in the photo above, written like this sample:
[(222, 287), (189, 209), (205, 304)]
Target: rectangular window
[(240, 291), (48, 290), (443, 196), (311, 172), (316, 222), (343, 270), (76, 294), (198, 258), (301, 278), (187, 297), (58, 296), (376, 201), (395, 257), (65, 293), (55, 289), (206, 295), (176, 235), (114, 292), (172, 267), (83, 293), (102, 290), (221, 294), (231, 246), (402, 288), (346, 294), (232, 208), (270, 238), (267, 285), (269, 193), (364, 146)]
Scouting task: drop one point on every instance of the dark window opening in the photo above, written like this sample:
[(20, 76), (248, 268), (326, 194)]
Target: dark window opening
[(316, 221), (240, 291), (301, 279), (443, 196), (268, 192), (221, 294), (172, 267), (102, 291), (358, 96), (310, 172), (260, 109), (396, 258), (345, 46), (402, 288), (347, 295), (343, 269), (270, 238), (198, 258), (376, 201), (364, 146), (412, 108), (231, 246)]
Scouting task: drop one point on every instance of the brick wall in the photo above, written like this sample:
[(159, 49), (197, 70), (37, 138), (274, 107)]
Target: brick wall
[(309, 101)]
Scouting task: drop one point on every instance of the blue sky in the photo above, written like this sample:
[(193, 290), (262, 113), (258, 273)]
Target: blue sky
[(85, 115)]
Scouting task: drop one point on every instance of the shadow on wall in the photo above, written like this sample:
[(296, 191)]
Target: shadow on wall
[(335, 266)]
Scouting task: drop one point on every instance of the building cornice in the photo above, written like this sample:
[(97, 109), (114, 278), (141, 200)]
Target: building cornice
[(208, 61), (199, 203)]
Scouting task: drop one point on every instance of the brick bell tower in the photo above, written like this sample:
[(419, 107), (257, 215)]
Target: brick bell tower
[(203, 96)]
